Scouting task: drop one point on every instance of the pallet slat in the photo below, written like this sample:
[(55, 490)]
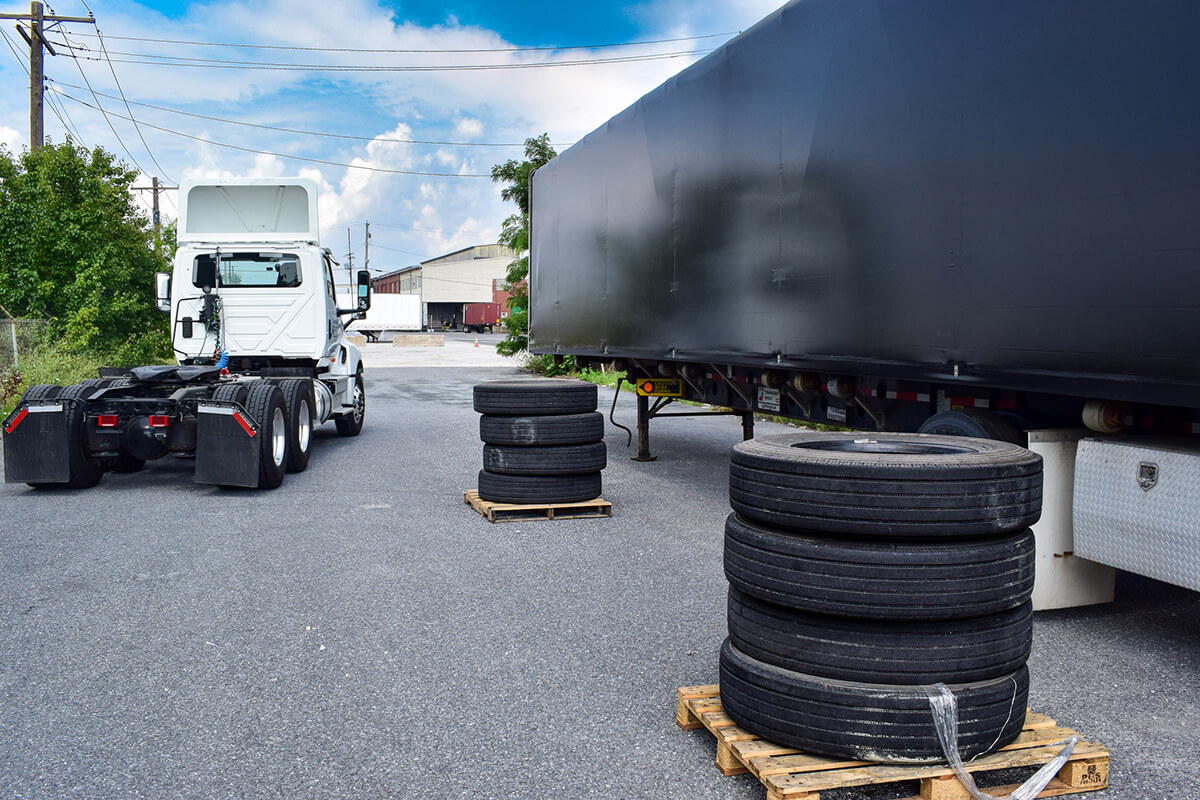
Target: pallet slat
[(511, 512), (788, 774)]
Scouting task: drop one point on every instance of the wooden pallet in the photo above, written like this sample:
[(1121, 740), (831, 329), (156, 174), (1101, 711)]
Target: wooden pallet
[(508, 512), (790, 774)]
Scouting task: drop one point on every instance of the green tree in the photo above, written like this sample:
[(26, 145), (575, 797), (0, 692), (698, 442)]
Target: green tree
[(76, 250), (515, 234)]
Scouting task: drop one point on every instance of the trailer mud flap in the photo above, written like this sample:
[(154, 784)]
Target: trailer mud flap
[(36, 444), (228, 445)]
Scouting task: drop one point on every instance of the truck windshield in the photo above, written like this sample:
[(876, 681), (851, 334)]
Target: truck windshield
[(253, 269)]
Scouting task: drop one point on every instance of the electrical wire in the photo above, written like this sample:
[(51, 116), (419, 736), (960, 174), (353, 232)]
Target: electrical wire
[(99, 106), (276, 154), (200, 63), (426, 51), (113, 70), (305, 132)]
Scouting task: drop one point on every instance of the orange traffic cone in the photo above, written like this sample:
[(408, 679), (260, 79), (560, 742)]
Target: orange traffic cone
[(477, 341)]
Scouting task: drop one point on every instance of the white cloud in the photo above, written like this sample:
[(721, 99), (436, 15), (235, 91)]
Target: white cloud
[(11, 138), (468, 128), (376, 107)]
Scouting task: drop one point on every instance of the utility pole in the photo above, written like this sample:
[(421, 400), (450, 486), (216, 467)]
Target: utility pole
[(349, 251), (155, 187), (367, 248), (37, 41)]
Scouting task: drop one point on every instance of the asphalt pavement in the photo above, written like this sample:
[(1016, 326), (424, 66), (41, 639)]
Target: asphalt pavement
[(361, 632)]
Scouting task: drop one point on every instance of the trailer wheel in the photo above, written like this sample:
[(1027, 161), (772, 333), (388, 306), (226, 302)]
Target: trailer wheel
[(351, 424), (83, 473), (974, 423), (557, 429), (538, 489), (872, 579), (299, 402), (867, 721), (264, 403), (570, 459), (886, 484), (881, 651), (535, 397)]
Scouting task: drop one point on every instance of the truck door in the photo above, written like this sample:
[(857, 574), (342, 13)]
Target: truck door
[(333, 323)]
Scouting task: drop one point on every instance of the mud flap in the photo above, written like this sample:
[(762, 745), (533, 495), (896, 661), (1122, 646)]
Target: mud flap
[(36, 444), (228, 445)]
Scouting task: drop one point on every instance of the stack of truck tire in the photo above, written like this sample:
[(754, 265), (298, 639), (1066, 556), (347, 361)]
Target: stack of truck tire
[(543, 441), (866, 569)]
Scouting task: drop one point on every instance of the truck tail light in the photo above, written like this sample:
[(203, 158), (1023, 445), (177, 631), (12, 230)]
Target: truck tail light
[(158, 421), (108, 420)]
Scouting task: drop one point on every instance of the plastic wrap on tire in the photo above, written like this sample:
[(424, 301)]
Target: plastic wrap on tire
[(870, 722)]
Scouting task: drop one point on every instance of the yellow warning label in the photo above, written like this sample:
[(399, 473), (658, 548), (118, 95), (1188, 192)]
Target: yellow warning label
[(660, 387)]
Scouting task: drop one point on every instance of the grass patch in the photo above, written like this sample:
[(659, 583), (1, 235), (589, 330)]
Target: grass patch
[(48, 362)]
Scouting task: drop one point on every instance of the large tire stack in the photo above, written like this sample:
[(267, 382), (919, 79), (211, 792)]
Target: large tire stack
[(543, 441), (863, 569)]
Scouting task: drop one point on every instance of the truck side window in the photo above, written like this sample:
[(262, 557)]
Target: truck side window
[(330, 286), (253, 269)]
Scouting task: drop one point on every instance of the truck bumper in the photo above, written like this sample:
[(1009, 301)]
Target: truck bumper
[(37, 444), (228, 445)]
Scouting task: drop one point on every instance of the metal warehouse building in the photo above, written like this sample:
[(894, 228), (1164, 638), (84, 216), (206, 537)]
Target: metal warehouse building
[(448, 282)]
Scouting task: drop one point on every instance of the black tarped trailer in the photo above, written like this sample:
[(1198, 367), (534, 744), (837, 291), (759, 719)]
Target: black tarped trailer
[(1000, 194), (979, 218)]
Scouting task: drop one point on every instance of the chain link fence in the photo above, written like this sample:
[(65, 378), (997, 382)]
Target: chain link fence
[(18, 337)]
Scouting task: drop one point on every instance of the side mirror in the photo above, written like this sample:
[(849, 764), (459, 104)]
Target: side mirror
[(364, 290), (204, 272), (162, 290)]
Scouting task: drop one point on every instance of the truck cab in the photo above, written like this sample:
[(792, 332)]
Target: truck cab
[(250, 281)]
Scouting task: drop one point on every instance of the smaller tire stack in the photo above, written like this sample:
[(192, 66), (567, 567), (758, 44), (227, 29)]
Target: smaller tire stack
[(543, 441), (864, 568)]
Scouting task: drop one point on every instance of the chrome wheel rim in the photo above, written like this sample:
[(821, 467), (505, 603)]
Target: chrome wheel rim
[(360, 403), (304, 426), (278, 436)]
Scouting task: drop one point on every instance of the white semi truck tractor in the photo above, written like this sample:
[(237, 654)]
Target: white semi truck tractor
[(260, 345)]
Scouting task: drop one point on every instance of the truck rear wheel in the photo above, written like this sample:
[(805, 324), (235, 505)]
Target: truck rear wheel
[(351, 424), (298, 402), (265, 404), (84, 474)]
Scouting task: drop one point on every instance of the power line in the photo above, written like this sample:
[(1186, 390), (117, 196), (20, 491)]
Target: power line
[(273, 153), (201, 63), (99, 107), (418, 50), (113, 70), (302, 131)]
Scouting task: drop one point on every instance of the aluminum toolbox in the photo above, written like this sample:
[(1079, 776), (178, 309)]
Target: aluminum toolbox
[(1136, 507)]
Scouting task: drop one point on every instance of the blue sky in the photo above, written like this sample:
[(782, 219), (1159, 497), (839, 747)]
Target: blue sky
[(394, 138)]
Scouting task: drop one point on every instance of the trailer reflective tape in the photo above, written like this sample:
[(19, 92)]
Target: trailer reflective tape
[(240, 420), (228, 412), (13, 425), (911, 397)]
